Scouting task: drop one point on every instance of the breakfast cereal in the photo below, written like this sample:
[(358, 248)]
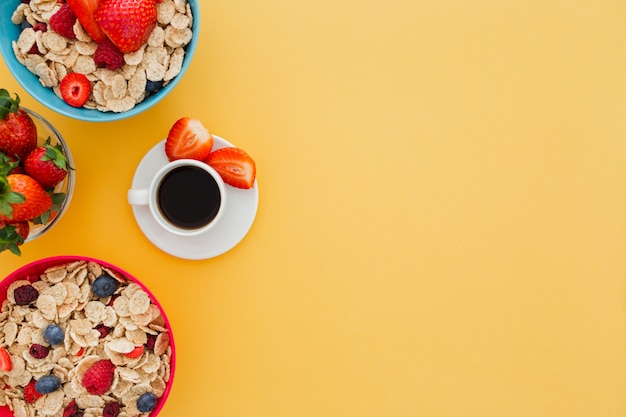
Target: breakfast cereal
[(124, 327), (51, 56)]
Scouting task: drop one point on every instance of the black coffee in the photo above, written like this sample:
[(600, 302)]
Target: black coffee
[(189, 197)]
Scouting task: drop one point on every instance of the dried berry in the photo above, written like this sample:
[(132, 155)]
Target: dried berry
[(71, 410), (38, 351), (40, 27), (104, 330), (150, 342), (111, 410), (25, 294), (112, 300)]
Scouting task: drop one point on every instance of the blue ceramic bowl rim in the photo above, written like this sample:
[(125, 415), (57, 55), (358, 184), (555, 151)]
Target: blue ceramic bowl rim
[(46, 96)]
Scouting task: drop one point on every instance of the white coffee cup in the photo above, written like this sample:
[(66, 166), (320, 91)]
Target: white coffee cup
[(186, 197)]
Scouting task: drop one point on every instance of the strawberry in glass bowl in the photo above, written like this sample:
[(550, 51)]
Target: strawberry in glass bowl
[(36, 174)]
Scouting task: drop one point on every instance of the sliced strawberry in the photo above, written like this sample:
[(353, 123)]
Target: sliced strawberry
[(5, 360), (135, 353), (75, 89), (85, 11), (188, 139), (234, 165), (30, 394)]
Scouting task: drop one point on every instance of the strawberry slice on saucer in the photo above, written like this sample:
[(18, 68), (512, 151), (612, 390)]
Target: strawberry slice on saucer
[(85, 11), (188, 139), (234, 165), (75, 89)]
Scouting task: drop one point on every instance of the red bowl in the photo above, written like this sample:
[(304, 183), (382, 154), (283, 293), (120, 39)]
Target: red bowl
[(32, 271)]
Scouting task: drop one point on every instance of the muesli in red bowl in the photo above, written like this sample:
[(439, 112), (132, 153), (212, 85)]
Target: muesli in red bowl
[(80, 337)]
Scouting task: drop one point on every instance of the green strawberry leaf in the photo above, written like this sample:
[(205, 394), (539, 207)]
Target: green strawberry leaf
[(14, 249), (56, 155), (6, 164), (6, 209), (44, 218), (7, 104), (57, 200), (10, 239)]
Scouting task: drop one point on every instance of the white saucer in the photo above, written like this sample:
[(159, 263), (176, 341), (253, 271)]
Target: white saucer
[(232, 228)]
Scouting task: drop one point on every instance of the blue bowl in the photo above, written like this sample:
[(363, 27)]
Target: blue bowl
[(10, 32)]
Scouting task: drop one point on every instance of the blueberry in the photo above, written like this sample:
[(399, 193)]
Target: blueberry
[(25, 25), (47, 384), (104, 286), (146, 402), (53, 334), (153, 86)]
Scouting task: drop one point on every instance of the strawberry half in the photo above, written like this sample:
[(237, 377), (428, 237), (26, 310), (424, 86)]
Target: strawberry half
[(234, 165), (5, 360), (188, 139), (128, 23), (85, 11), (18, 133), (75, 89)]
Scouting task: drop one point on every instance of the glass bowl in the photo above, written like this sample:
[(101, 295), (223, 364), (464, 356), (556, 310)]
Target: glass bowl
[(45, 130)]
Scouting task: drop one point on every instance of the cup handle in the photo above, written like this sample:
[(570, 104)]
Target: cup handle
[(138, 197)]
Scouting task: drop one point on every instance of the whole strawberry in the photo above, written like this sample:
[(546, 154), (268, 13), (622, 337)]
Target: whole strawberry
[(127, 23), (99, 377), (9, 164), (18, 133), (13, 235), (47, 164), (22, 198)]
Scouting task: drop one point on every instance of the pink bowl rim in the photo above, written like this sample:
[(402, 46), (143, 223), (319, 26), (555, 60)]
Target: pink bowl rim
[(33, 270)]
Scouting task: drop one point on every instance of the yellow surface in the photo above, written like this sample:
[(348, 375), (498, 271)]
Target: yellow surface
[(442, 219)]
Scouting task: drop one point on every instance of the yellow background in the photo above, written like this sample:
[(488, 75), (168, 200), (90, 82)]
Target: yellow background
[(442, 218)]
